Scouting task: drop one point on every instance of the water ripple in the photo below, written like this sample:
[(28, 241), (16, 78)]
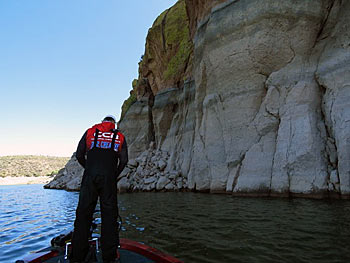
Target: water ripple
[(193, 227), (215, 228), (29, 217)]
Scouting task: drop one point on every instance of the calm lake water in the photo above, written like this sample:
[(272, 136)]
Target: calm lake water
[(193, 227)]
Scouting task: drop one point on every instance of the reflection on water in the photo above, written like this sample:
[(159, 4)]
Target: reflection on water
[(193, 227), (30, 217)]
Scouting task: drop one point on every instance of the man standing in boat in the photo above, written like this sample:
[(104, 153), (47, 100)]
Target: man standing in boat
[(102, 151)]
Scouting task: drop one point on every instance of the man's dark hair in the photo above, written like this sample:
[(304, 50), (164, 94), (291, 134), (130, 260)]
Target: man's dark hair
[(111, 119)]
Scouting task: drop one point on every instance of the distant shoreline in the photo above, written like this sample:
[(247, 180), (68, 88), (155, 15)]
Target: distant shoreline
[(10, 180)]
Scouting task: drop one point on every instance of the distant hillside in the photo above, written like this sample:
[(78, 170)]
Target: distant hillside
[(29, 165)]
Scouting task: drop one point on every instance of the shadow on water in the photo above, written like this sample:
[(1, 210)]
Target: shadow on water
[(221, 228), (193, 227)]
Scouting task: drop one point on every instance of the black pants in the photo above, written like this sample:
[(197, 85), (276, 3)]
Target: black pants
[(96, 184)]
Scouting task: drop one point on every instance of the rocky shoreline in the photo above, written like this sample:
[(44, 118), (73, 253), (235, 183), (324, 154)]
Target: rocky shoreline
[(148, 172)]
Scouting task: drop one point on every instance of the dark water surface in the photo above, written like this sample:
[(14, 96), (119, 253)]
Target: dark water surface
[(193, 227)]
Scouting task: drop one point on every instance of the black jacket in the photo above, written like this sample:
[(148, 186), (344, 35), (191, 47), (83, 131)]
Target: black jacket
[(122, 156)]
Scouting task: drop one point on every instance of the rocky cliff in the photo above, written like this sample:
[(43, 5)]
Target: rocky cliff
[(264, 110), (248, 97)]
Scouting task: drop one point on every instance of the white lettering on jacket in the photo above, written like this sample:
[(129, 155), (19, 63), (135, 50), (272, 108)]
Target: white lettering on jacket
[(107, 135)]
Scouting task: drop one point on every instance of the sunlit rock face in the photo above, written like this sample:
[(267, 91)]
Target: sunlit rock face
[(257, 115), (259, 126)]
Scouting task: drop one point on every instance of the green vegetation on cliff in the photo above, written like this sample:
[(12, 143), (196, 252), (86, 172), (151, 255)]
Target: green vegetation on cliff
[(127, 104), (168, 45), (129, 101), (168, 53), (30, 165), (177, 33)]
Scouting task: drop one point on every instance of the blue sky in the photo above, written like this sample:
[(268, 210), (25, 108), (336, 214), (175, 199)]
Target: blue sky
[(64, 65)]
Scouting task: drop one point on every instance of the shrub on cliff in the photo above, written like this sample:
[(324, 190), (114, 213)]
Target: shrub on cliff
[(129, 101), (177, 35), (127, 104), (169, 49)]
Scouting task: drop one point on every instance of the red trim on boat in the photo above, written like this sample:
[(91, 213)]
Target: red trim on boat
[(127, 244), (40, 256), (147, 251)]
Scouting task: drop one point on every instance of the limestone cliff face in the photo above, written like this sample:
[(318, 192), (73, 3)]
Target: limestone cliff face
[(260, 104), (258, 100), (333, 78)]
